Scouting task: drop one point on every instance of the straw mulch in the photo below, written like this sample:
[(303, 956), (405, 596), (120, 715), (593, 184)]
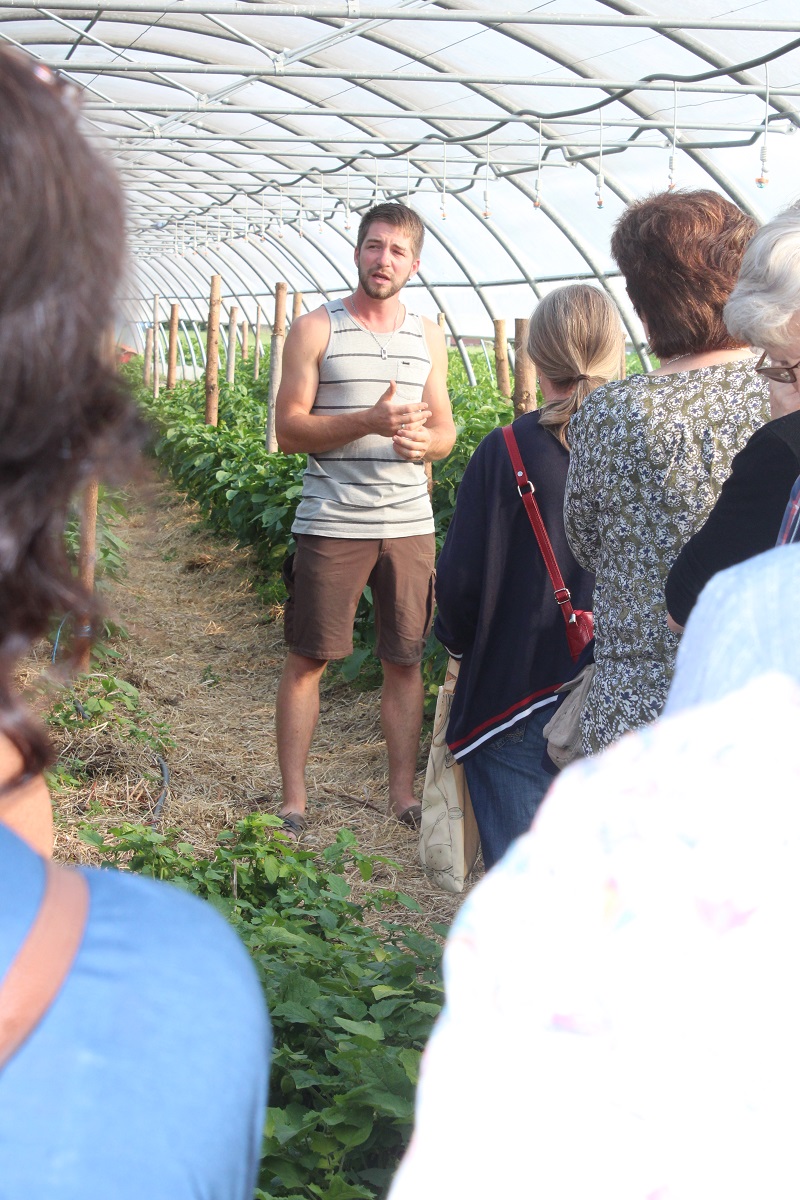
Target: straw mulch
[(206, 656)]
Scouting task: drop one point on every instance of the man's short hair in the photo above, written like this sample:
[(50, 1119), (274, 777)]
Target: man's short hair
[(399, 215), (680, 253)]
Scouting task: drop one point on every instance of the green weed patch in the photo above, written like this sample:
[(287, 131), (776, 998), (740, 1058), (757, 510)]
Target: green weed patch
[(352, 996)]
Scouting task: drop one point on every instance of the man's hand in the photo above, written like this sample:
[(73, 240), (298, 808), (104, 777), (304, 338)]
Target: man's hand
[(412, 442), (390, 417)]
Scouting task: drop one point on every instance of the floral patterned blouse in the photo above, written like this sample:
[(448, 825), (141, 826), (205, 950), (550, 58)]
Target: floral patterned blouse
[(649, 457)]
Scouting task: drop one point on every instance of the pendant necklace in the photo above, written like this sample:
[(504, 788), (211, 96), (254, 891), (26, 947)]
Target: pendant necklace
[(382, 346)]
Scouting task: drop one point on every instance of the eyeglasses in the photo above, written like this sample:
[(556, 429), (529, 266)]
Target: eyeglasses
[(778, 374)]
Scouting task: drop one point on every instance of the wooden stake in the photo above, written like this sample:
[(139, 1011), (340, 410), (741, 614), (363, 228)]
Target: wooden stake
[(441, 320), (172, 360), (623, 365), (257, 348), (245, 339), (212, 352), (87, 562), (297, 306), (156, 322), (108, 348), (276, 363), (524, 370), (501, 357), (147, 375), (230, 366)]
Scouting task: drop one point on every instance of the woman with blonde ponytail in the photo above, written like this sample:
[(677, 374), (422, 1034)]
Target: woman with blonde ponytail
[(496, 609)]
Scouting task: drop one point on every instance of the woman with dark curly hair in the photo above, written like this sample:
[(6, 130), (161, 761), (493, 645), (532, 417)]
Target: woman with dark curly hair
[(651, 453), (133, 1039)]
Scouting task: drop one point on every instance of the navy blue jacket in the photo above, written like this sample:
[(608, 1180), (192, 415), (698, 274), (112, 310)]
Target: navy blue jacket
[(496, 608)]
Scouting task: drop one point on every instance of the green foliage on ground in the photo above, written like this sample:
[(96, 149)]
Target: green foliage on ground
[(352, 1003)]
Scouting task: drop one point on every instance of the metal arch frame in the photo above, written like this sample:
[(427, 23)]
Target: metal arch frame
[(698, 50), (534, 45), (404, 51), (635, 106)]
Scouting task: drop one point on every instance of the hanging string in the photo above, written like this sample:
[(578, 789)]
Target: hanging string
[(600, 181), (408, 179), (175, 246), (194, 245), (487, 212), (246, 217), (300, 213), (347, 222), (671, 185), (321, 206), (763, 179), (219, 226), (375, 194), (263, 222), (538, 189), (281, 229), (443, 210)]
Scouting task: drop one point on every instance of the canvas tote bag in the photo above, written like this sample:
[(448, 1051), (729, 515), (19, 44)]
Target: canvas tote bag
[(448, 836)]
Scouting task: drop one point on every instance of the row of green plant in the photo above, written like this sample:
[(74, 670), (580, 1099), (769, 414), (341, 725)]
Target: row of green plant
[(352, 994), (351, 1005)]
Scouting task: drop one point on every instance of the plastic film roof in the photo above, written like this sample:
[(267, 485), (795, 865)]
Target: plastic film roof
[(250, 136)]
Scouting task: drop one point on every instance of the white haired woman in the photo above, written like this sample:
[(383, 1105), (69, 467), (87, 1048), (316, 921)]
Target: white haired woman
[(763, 310)]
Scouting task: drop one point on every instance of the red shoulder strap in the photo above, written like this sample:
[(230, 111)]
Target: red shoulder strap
[(43, 961), (526, 491)]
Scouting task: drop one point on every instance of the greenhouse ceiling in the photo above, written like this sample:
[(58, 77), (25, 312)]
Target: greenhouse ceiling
[(250, 136)]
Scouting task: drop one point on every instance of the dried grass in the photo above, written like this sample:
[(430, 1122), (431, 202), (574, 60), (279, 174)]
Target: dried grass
[(206, 657)]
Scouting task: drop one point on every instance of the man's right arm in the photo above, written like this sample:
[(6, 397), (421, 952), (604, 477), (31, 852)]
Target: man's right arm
[(298, 430)]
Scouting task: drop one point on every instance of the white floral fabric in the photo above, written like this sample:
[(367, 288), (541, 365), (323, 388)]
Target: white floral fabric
[(622, 989), (649, 457)]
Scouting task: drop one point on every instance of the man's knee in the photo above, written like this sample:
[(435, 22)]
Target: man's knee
[(298, 667), (401, 672)]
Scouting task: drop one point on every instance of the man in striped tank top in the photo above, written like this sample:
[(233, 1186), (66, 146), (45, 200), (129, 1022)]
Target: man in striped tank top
[(364, 395)]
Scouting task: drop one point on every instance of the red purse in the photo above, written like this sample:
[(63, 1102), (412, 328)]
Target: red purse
[(579, 622)]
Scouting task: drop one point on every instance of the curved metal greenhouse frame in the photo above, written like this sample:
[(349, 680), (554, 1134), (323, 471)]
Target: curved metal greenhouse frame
[(250, 136)]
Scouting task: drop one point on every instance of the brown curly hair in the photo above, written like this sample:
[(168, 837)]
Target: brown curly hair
[(680, 253), (64, 416)]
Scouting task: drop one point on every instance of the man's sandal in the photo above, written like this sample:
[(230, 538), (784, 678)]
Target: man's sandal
[(292, 824), (411, 816)]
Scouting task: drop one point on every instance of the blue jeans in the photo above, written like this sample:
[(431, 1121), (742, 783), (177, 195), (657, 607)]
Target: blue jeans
[(507, 783)]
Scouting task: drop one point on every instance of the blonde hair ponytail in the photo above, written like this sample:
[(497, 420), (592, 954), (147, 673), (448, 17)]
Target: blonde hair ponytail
[(575, 338)]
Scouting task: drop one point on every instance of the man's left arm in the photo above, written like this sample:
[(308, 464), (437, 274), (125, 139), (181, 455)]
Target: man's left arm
[(433, 439)]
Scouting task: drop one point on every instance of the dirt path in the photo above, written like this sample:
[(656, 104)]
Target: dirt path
[(206, 657)]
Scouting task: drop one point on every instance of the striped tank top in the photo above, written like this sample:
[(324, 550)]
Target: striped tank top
[(364, 489)]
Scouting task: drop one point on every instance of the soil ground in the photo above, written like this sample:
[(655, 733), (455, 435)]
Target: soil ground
[(206, 656)]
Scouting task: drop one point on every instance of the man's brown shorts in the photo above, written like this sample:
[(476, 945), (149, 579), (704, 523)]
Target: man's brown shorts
[(325, 578)]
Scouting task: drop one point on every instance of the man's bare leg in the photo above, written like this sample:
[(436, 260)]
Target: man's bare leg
[(401, 722), (296, 713)]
